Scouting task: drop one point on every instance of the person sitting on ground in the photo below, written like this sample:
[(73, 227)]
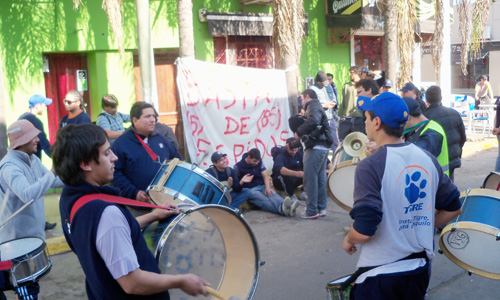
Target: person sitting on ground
[(140, 150), (227, 175), (288, 167), (73, 103), (106, 238), (110, 119), (262, 194)]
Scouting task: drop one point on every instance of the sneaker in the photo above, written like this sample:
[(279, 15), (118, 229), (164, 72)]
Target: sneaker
[(294, 197), (49, 226), (303, 196), (322, 213), (287, 205), (295, 204), (304, 215)]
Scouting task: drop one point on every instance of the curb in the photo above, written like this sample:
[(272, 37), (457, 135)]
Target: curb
[(486, 145), (57, 245)]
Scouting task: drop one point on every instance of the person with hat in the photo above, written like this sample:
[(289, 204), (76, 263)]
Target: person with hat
[(262, 194), (37, 105), (411, 90), (229, 178), (388, 86), (23, 178), (397, 190), (288, 167), (351, 118), (427, 134), (73, 103)]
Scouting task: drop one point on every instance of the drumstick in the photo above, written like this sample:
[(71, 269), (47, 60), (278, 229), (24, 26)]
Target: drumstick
[(4, 203), (217, 294), (18, 211)]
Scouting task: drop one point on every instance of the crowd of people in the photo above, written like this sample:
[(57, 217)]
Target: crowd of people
[(106, 158)]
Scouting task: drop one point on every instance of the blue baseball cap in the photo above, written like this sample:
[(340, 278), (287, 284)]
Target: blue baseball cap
[(389, 107), (37, 98)]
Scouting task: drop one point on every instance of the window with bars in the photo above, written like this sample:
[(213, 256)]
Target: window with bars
[(244, 51)]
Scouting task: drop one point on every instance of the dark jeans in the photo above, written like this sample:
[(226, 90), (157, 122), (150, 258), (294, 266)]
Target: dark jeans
[(287, 184), (348, 125)]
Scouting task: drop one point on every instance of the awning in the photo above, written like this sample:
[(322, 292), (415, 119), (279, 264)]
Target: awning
[(240, 24)]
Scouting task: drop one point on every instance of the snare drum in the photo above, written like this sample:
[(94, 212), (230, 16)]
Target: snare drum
[(492, 181), (28, 259), (472, 241), (334, 291), (182, 182), (212, 241)]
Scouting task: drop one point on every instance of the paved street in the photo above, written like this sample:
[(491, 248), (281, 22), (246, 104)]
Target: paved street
[(301, 256)]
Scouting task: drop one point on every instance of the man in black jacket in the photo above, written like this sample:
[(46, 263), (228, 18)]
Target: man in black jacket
[(317, 138), (452, 124)]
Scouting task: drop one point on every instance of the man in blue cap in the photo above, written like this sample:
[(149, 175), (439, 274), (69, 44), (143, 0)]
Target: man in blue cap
[(396, 192), (38, 104)]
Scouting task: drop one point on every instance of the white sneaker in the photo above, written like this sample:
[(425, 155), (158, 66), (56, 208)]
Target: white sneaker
[(303, 196), (287, 205), (295, 204)]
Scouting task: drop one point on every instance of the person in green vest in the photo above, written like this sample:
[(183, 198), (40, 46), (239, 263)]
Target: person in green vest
[(426, 134)]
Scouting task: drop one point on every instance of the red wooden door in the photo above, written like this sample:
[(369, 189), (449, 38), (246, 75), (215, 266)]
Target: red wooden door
[(60, 79)]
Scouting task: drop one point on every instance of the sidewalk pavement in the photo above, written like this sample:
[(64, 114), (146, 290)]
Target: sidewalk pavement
[(56, 242)]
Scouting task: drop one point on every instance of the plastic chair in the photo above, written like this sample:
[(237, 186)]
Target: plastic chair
[(479, 115)]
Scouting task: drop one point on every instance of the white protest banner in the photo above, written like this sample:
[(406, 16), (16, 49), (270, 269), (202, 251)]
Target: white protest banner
[(232, 110)]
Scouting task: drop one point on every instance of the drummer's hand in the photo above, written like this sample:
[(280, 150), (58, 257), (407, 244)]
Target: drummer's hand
[(496, 131), (193, 285), (348, 246), (161, 214), (269, 191), (142, 196), (230, 182), (370, 148)]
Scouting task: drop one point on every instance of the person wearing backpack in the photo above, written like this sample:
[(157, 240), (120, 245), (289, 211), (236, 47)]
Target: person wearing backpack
[(288, 167), (228, 177)]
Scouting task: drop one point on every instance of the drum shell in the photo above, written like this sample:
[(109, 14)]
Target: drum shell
[(333, 289), (492, 181), (30, 259), (471, 241), (181, 182), (340, 185), (212, 241)]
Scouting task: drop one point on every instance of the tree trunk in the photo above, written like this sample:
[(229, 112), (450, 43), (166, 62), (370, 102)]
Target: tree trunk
[(391, 46), (3, 115), (185, 16), (146, 56)]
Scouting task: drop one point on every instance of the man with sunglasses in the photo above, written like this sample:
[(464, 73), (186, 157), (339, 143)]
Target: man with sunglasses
[(73, 103)]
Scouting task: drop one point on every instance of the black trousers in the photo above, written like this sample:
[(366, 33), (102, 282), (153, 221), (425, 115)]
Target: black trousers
[(348, 125), (287, 183)]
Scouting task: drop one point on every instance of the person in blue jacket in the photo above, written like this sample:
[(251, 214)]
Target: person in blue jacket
[(105, 236), (140, 150)]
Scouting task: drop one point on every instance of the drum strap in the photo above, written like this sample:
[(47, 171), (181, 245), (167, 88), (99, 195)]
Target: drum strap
[(362, 270), (108, 198), (5, 265), (153, 155)]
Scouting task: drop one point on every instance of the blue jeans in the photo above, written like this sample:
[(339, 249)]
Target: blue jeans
[(333, 128), (272, 204), (237, 199), (315, 180)]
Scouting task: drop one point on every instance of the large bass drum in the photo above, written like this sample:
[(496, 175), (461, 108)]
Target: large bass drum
[(212, 241), (492, 181), (472, 240)]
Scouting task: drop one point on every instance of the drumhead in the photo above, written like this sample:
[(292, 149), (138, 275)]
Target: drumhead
[(215, 243), (473, 246), (18, 248), (341, 185)]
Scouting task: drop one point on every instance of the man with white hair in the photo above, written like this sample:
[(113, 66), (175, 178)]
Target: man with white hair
[(23, 178)]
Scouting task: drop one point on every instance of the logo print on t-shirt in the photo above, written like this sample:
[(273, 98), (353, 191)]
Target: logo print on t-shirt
[(413, 187)]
